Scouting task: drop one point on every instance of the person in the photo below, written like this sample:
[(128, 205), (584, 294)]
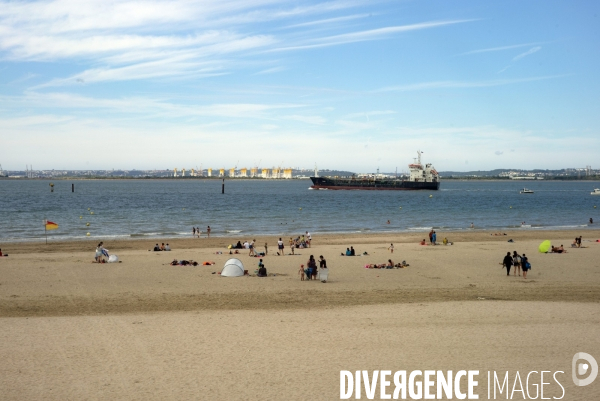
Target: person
[(578, 240), (390, 264), (516, 263), (162, 246), (262, 270), (308, 239), (525, 265), (388, 222), (311, 267), (472, 225), (348, 253), (352, 251), (99, 258), (266, 250), (445, 241), (391, 248), (208, 232), (198, 232), (156, 248), (1, 252), (423, 242), (507, 262), (167, 247), (193, 232), (238, 245), (251, 247), (280, 246), (301, 272), (322, 262), (433, 238), (591, 221)]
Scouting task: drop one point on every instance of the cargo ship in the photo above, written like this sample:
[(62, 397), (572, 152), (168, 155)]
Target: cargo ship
[(421, 177)]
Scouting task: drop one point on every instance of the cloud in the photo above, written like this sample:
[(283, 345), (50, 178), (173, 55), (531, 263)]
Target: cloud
[(496, 49), (463, 84), (498, 153), (527, 53), (361, 36), (271, 70)]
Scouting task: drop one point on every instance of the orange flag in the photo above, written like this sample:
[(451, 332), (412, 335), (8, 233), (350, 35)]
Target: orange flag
[(50, 225)]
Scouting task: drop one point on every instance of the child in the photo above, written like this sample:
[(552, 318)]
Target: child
[(391, 248), (301, 272), (266, 250)]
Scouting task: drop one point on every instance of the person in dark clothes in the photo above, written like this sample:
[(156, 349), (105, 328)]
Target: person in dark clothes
[(352, 251), (262, 270), (507, 262)]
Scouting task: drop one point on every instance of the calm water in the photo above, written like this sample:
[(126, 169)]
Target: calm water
[(169, 208)]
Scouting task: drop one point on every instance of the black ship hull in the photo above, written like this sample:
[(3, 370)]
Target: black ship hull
[(370, 184)]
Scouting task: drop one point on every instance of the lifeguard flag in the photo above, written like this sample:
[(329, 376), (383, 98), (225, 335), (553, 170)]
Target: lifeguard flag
[(50, 225)]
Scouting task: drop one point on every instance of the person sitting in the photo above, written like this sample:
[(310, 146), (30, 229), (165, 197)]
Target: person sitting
[(390, 264), (162, 246), (174, 262), (156, 248), (167, 247), (423, 242), (445, 241), (352, 251), (262, 270), (238, 245), (1, 252), (348, 252)]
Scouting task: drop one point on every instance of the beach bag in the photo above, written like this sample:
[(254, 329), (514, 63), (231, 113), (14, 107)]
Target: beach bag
[(528, 265)]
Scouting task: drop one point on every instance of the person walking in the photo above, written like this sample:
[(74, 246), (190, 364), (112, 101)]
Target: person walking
[(507, 262), (193, 232), (516, 262), (525, 265), (431, 236), (391, 248)]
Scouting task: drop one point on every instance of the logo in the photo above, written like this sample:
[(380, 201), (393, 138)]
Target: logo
[(582, 368)]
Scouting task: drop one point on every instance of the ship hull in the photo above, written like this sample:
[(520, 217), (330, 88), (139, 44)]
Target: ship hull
[(366, 184)]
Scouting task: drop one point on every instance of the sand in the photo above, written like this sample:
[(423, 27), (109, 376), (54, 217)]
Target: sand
[(141, 329)]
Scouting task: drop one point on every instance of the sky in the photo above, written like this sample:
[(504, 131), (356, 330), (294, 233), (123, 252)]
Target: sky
[(352, 84)]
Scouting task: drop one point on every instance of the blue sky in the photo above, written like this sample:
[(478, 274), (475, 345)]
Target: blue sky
[(355, 85)]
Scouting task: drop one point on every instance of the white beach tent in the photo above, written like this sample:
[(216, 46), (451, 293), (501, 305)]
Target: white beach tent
[(233, 268)]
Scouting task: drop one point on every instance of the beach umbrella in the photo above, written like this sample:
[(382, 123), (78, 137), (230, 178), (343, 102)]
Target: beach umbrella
[(545, 246)]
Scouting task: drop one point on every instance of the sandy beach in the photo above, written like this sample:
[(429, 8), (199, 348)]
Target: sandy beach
[(142, 329)]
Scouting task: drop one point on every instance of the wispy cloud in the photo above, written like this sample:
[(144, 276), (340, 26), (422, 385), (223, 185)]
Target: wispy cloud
[(463, 84), (271, 70), (328, 21), (499, 48), (527, 53), (361, 36)]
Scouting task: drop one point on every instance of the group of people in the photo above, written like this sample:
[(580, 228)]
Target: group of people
[(576, 243), (389, 265), (519, 262), (196, 232), (311, 270), (162, 247), (558, 249), (302, 241)]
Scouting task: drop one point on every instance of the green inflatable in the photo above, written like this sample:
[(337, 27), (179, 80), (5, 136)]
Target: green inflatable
[(545, 246)]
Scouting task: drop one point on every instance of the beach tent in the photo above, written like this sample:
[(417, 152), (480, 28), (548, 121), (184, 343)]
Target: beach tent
[(545, 246), (233, 268)]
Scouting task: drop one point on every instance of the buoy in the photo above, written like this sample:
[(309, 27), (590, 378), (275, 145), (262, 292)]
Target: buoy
[(510, 207), (300, 208), (400, 207), (594, 206), (91, 212), (88, 234), (182, 208), (431, 196), (88, 208), (87, 224), (81, 217)]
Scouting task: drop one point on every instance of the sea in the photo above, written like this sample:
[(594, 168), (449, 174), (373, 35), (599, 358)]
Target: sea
[(169, 208)]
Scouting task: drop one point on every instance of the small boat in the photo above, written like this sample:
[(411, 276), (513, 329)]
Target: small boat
[(595, 192), (526, 191)]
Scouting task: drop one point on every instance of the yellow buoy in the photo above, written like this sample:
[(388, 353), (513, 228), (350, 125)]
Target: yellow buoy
[(88, 208), (510, 207), (431, 196), (91, 212), (88, 234), (300, 208), (81, 217), (87, 224), (400, 207)]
